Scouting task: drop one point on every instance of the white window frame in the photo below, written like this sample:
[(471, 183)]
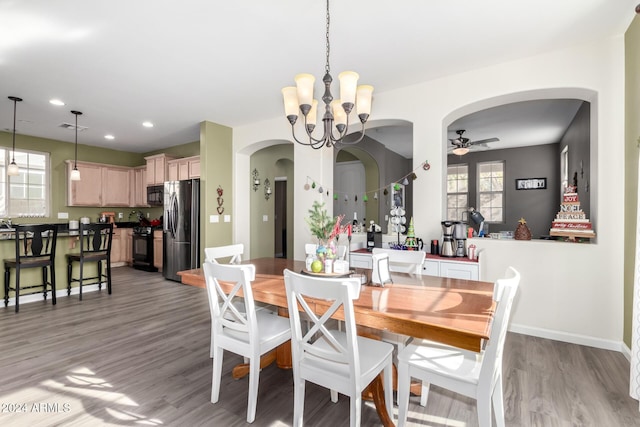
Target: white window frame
[(497, 188), (9, 206), (454, 196)]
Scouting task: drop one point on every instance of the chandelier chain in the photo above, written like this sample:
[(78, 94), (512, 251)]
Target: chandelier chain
[(327, 67)]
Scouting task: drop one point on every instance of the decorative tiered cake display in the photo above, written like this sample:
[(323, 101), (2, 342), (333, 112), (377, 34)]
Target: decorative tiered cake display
[(571, 221)]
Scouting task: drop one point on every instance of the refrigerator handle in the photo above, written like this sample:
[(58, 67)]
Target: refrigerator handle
[(174, 214)]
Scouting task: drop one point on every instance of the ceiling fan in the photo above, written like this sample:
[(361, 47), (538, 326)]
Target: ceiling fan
[(461, 145)]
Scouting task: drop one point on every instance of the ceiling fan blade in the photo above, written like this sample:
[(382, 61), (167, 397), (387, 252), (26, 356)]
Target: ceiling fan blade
[(484, 141)]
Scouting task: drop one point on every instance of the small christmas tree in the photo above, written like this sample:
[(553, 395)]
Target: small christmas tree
[(411, 243), (522, 231)]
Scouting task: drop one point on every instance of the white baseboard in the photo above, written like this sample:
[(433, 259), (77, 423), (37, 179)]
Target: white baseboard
[(60, 293), (568, 337), (626, 351)]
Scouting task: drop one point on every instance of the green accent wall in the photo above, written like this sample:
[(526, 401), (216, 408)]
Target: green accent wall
[(632, 135), (185, 150), (271, 162), (216, 166), (60, 151)]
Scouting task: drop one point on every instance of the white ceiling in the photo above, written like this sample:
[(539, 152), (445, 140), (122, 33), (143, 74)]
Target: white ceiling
[(176, 64)]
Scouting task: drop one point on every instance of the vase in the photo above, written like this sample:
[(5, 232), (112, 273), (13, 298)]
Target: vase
[(321, 250)]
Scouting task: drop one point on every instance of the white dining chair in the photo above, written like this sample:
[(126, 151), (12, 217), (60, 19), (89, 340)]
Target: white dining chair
[(476, 375), (248, 333), (233, 252), (341, 252), (343, 362), (404, 261), (380, 271)]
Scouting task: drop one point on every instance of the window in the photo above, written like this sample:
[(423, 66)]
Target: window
[(457, 191), (27, 194), (491, 191)]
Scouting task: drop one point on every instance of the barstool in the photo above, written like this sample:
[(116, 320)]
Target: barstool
[(35, 248), (95, 246)]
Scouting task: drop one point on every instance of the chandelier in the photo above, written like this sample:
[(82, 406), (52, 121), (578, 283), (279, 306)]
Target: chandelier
[(336, 114)]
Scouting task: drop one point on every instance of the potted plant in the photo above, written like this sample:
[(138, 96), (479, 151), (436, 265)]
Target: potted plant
[(325, 228)]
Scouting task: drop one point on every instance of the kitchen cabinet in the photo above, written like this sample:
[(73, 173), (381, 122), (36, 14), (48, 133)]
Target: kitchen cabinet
[(139, 187), (184, 168), (87, 191), (455, 268), (157, 249), (127, 245), (99, 185), (360, 260), (157, 168), (116, 247), (116, 187)]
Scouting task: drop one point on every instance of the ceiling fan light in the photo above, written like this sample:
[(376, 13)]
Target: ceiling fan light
[(460, 151)]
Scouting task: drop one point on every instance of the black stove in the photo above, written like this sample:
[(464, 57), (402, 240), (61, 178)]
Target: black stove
[(142, 230), (143, 248)]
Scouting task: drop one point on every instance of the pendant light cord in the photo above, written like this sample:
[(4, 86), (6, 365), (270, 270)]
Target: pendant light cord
[(327, 67)]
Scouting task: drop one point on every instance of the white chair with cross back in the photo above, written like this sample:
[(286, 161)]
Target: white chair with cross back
[(404, 261), (233, 252), (343, 362), (476, 375), (248, 333)]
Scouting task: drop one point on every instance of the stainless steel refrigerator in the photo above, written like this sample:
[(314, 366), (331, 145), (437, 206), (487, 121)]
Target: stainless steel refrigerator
[(181, 227)]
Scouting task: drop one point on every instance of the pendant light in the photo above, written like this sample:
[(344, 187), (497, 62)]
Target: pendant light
[(75, 173), (13, 170)]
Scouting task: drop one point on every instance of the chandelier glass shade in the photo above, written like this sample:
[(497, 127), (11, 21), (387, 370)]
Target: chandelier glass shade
[(12, 169), (335, 119), (75, 173)]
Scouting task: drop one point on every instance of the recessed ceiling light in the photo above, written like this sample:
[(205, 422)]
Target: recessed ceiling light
[(56, 102), (147, 124), (109, 137)]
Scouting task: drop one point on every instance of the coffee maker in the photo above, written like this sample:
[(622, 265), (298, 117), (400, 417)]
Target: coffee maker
[(448, 247), (460, 239)]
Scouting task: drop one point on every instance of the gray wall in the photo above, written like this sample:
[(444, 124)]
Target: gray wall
[(392, 168), (538, 207)]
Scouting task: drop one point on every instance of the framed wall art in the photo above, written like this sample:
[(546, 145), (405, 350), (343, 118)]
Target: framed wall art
[(531, 183)]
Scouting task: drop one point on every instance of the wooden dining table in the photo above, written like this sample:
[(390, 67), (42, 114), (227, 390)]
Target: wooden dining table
[(451, 311)]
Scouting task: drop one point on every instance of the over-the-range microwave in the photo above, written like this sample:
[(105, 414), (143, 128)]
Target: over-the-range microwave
[(155, 195)]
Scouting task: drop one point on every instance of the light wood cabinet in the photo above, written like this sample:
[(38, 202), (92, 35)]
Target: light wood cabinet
[(139, 187), (184, 168), (116, 246), (116, 186), (99, 185), (87, 191), (157, 168), (157, 249)]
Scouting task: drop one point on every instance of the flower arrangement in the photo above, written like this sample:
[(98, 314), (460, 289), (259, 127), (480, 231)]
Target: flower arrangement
[(325, 228)]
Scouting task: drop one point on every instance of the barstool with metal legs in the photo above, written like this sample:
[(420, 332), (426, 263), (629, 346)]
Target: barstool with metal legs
[(35, 248)]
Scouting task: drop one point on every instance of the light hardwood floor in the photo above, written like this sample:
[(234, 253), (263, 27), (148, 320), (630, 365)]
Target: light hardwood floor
[(140, 357)]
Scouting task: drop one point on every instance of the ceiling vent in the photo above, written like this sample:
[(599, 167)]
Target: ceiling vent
[(71, 126)]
